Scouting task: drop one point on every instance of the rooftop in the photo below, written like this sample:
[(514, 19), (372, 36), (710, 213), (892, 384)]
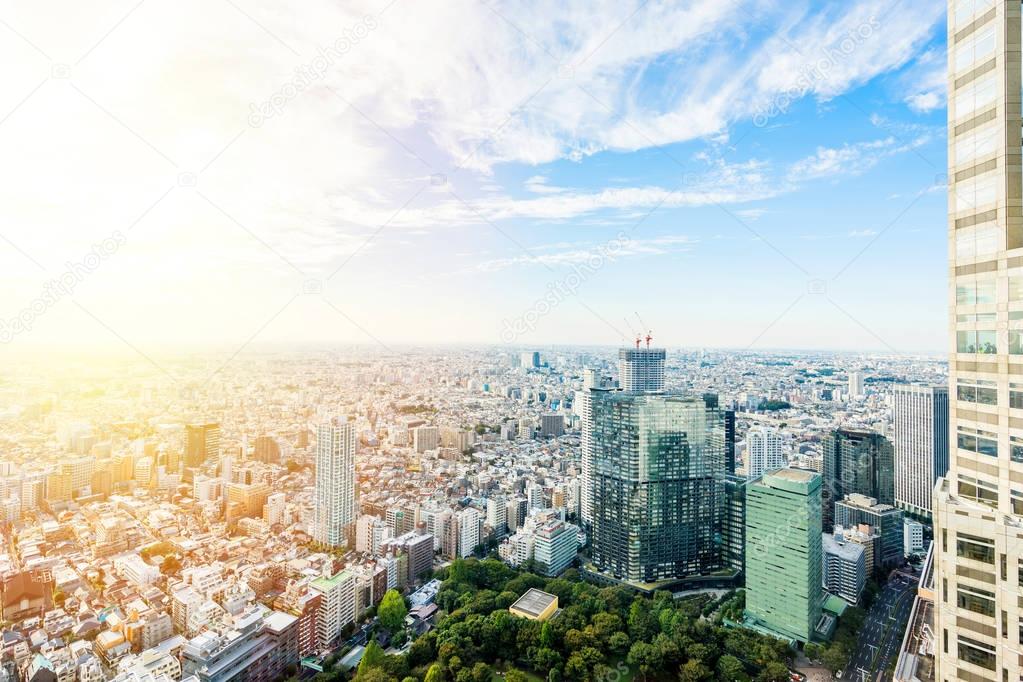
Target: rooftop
[(534, 602)]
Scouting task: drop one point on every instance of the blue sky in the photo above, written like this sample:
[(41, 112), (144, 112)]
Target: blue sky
[(756, 174)]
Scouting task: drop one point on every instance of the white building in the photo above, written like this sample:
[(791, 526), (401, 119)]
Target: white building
[(764, 451), (497, 514), (468, 531), (335, 481), (337, 606), (425, 438), (845, 568), (855, 384), (132, 568), (912, 537), (920, 422)]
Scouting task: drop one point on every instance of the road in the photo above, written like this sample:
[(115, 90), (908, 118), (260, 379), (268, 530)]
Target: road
[(879, 641)]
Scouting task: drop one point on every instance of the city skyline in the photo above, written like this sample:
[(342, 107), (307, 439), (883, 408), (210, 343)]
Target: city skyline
[(827, 140)]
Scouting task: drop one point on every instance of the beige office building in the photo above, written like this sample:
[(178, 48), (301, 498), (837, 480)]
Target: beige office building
[(978, 506)]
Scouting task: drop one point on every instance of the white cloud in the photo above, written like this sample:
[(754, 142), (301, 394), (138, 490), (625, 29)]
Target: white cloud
[(926, 82), (619, 247)]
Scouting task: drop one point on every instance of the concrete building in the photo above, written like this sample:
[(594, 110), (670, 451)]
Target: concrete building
[(337, 606), (584, 408), (855, 510), (552, 425), (920, 422), (641, 370), (978, 506), (912, 537), (335, 481), (784, 555), (763, 451), (468, 523), (845, 568), (202, 444), (860, 462), (554, 547)]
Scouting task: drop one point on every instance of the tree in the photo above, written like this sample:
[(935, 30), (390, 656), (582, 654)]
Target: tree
[(435, 673), (693, 671), (513, 675), (731, 668), (645, 656), (813, 651), (372, 657), (773, 672), (834, 657), (392, 611)]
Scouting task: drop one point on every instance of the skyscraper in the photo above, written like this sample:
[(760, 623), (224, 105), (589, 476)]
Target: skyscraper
[(658, 469), (584, 407), (920, 415), (978, 506), (335, 481), (763, 451), (641, 370), (857, 462), (855, 384), (784, 555), (202, 442)]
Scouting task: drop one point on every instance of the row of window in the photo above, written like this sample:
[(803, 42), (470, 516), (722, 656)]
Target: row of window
[(966, 11), (982, 291), (983, 392), (980, 492), (985, 341)]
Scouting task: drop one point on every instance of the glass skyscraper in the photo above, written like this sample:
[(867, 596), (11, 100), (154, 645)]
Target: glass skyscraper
[(658, 495)]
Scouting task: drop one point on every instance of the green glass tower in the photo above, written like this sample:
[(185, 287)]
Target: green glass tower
[(657, 476), (784, 553)]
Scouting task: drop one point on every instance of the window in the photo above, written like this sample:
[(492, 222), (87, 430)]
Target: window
[(976, 95), (977, 191), (976, 341), (979, 391), (977, 317), (978, 440), (978, 491), (1015, 447), (977, 46), (977, 653), (968, 10), (975, 292), (977, 242), (1015, 342), (977, 549), (1016, 500), (976, 144), (976, 600)]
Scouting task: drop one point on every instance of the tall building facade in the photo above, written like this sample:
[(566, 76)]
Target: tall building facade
[(920, 421), (335, 481), (978, 506), (202, 443), (658, 471), (641, 370), (584, 407), (784, 553), (763, 451), (860, 462)]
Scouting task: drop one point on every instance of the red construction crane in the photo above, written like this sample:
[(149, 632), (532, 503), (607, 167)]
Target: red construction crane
[(649, 338)]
